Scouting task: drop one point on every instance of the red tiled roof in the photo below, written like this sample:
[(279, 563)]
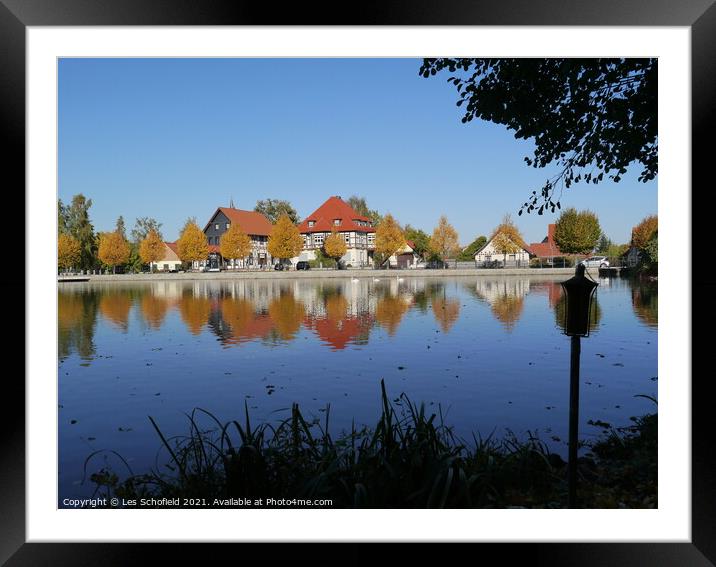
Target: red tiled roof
[(548, 247), (250, 222), (214, 248), (334, 208)]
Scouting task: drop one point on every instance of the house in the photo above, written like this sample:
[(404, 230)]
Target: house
[(406, 257), (547, 249), (489, 254), (632, 257), (356, 229), (256, 225), (170, 262)]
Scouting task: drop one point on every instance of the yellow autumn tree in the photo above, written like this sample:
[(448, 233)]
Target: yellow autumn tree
[(192, 245), (642, 232), (444, 241), (389, 237), (235, 243), (68, 252), (152, 248), (506, 238), (335, 246), (113, 249), (285, 240)]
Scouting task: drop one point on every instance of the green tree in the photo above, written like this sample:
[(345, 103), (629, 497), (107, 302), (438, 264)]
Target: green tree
[(285, 240), (273, 209), (577, 232), (583, 114), (360, 206), (468, 253), (79, 226), (62, 218), (389, 238), (604, 244), (142, 227), (335, 246), (120, 228)]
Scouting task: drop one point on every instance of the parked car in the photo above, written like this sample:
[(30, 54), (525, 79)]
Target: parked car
[(418, 266), (595, 262), (303, 265), (279, 266)]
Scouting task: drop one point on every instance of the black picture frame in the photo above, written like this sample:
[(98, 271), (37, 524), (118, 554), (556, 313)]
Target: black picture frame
[(699, 15)]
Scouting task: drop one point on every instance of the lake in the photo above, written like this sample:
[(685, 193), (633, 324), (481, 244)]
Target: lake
[(487, 353)]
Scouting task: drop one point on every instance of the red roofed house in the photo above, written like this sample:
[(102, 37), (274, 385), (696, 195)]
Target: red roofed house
[(170, 262), (356, 229), (256, 225), (548, 247)]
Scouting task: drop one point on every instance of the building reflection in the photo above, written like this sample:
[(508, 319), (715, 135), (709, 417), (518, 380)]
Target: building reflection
[(505, 296)]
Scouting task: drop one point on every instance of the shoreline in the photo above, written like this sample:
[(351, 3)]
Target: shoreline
[(318, 274)]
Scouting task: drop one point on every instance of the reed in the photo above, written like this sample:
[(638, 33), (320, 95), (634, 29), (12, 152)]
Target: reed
[(410, 459)]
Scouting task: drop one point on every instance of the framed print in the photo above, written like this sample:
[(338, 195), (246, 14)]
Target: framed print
[(272, 228)]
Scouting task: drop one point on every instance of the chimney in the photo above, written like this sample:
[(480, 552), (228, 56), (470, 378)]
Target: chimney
[(550, 232)]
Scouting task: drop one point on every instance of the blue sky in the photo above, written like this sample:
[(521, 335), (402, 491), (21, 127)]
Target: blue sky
[(173, 138)]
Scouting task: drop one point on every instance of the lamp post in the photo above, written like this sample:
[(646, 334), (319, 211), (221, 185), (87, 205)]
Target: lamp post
[(579, 291)]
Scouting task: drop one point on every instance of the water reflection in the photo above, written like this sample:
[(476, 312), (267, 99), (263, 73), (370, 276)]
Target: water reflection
[(505, 297), (645, 301), (76, 322), (115, 305), (339, 313)]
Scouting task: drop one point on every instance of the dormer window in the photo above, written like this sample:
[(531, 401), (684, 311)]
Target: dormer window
[(311, 223), (337, 222)]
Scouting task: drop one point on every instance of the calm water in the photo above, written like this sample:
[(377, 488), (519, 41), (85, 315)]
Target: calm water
[(488, 350)]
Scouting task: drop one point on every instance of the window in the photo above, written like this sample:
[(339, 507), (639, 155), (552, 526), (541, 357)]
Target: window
[(228, 224), (217, 226), (318, 239), (311, 223), (337, 222), (347, 237)]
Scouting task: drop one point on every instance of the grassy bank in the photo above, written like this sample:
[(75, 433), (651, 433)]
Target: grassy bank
[(410, 459)]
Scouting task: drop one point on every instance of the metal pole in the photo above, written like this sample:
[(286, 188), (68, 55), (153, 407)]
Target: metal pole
[(573, 421)]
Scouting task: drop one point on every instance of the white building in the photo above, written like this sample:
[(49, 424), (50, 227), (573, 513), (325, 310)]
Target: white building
[(490, 253)]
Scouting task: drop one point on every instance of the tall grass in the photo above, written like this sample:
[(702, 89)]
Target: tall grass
[(409, 459)]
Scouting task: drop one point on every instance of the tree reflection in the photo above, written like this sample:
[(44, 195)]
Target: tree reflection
[(645, 301), (115, 306), (76, 321), (446, 312), (286, 314), (390, 310), (241, 321), (154, 309), (506, 298), (194, 311), (507, 309)]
